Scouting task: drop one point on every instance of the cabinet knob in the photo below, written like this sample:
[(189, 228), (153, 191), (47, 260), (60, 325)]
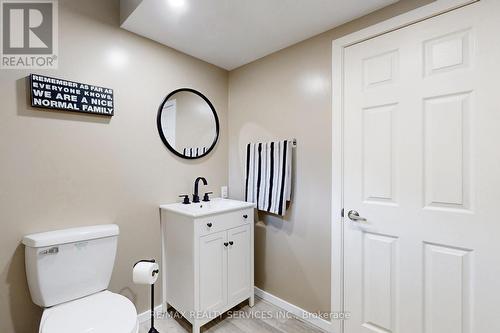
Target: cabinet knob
[(245, 216), (226, 244), (209, 224), (231, 243)]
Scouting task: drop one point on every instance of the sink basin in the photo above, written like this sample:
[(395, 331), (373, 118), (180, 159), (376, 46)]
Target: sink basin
[(214, 206)]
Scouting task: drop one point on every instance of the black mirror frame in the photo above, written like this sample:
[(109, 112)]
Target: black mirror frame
[(160, 131)]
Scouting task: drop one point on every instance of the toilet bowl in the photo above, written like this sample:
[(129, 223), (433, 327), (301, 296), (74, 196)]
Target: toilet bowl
[(103, 312), (68, 275)]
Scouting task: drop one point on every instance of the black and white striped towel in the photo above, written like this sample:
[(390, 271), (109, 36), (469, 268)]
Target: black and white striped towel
[(194, 152), (269, 175)]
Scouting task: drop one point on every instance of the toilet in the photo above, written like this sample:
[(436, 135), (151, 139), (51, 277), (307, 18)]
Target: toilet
[(68, 275)]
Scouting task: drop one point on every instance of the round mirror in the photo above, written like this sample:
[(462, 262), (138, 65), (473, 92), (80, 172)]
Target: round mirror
[(188, 124)]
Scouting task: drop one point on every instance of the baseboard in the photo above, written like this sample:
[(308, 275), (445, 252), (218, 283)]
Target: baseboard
[(295, 310), (146, 315), (274, 300)]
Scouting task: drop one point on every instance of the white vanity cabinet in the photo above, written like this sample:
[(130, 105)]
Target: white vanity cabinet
[(207, 258)]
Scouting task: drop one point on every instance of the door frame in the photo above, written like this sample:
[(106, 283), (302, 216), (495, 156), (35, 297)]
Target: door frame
[(339, 45)]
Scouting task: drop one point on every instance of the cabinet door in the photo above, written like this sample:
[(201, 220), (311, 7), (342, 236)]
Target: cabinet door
[(238, 263), (213, 271)]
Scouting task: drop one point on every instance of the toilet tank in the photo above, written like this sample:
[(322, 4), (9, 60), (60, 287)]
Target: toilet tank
[(64, 265)]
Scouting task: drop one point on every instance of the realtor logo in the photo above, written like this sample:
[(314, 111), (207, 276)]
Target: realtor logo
[(29, 34)]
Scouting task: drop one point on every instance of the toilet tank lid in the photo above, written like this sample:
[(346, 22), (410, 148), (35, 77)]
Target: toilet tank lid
[(72, 235)]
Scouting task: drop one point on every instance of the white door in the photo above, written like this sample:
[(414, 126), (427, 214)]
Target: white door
[(213, 271), (422, 165), (238, 259)]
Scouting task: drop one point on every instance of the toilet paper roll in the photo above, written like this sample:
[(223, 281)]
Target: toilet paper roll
[(144, 273)]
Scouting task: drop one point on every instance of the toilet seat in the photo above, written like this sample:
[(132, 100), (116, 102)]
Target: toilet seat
[(104, 312)]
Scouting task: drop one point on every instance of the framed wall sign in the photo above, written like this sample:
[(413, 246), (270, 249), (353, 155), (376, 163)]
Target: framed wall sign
[(53, 93)]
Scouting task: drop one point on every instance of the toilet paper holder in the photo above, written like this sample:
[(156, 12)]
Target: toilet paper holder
[(156, 271)]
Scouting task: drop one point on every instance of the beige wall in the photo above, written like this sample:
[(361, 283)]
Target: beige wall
[(288, 95), (61, 169)]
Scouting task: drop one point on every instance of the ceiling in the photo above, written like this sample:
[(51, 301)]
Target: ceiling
[(231, 33)]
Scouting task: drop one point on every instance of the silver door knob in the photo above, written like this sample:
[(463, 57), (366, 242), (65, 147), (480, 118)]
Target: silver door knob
[(354, 216)]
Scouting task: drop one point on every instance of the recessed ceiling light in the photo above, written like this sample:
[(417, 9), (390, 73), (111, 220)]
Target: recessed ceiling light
[(177, 3)]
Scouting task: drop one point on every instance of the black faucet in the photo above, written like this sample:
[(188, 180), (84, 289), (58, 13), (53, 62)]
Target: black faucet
[(196, 197)]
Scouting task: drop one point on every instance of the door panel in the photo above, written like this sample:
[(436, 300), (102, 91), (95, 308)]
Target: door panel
[(379, 269), (239, 263), (421, 161), (378, 154), (447, 135), (447, 298), (213, 271)]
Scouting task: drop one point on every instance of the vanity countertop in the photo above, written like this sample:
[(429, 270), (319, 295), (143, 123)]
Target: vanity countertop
[(214, 206)]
